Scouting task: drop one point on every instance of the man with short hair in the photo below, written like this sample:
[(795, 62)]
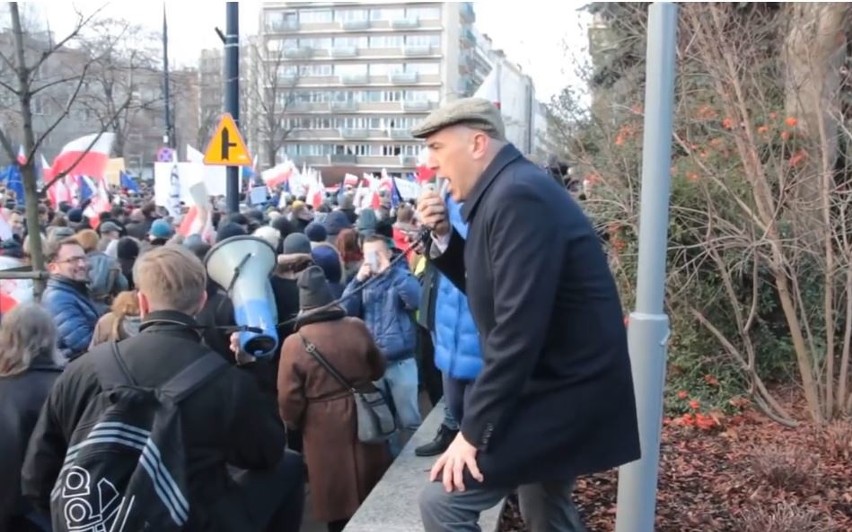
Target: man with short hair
[(68, 299), (554, 398), (227, 422)]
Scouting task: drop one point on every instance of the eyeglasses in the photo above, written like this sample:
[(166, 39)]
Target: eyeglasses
[(72, 260)]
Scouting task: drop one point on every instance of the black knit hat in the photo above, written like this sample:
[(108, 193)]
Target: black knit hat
[(314, 291)]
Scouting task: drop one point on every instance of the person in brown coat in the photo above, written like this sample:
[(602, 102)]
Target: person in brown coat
[(341, 469)]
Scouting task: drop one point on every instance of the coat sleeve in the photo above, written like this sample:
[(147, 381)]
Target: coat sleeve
[(254, 414), (291, 386), (46, 450), (352, 303), (72, 323), (407, 287), (526, 266), (451, 261)]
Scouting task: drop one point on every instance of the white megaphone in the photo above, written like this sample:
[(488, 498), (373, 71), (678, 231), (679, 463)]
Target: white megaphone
[(242, 265)]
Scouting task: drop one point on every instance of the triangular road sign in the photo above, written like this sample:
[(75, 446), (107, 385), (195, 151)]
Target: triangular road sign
[(226, 146)]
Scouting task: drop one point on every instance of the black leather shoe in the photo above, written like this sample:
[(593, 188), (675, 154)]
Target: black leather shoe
[(437, 446)]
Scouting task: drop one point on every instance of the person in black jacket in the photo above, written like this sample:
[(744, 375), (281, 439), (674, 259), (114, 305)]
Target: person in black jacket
[(555, 398), (29, 365), (239, 476)]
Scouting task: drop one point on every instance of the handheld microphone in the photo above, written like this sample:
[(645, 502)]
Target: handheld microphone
[(425, 234)]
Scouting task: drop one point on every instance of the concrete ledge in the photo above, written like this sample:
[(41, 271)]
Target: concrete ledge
[(392, 505)]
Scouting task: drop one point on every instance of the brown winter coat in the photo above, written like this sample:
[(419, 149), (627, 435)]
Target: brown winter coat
[(341, 470)]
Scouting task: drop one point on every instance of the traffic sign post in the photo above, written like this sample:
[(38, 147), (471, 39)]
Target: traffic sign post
[(226, 146), (232, 97)]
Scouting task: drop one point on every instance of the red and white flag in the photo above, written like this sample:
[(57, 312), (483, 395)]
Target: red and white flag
[(422, 171), (75, 160), (22, 155)]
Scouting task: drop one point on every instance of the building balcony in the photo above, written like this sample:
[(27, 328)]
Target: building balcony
[(355, 25), (405, 23), (416, 107), (344, 51), (403, 78), (298, 53), (288, 79), (407, 160), (282, 26), (349, 133), (468, 39), (344, 107), (313, 134), (467, 13), (343, 158), (415, 51), (403, 134), (311, 160), (354, 79), (307, 107)]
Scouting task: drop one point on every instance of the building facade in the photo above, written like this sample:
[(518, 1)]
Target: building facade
[(351, 80)]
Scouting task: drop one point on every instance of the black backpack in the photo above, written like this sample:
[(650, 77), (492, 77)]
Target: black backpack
[(125, 468)]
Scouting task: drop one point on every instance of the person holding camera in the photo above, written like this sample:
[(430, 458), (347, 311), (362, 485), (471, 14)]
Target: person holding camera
[(387, 304)]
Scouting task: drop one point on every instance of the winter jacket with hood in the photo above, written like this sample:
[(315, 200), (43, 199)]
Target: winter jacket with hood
[(456, 339), (387, 306)]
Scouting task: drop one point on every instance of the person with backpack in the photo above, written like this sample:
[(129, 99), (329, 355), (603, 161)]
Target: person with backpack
[(157, 432)]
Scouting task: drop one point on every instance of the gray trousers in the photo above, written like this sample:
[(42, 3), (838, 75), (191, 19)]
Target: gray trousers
[(545, 507)]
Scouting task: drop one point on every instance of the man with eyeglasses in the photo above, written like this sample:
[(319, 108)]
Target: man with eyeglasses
[(67, 297)]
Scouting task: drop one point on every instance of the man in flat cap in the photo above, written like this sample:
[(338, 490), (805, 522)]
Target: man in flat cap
[(554, 398)]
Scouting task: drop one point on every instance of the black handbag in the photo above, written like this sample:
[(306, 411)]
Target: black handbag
[(375, 420)]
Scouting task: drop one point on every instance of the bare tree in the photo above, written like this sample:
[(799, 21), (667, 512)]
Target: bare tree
[(124, 82), (272, 88), (42, 74)]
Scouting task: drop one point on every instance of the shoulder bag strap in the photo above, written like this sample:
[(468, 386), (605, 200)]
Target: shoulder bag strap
[(110, 368), (189, 379), (312, 350)]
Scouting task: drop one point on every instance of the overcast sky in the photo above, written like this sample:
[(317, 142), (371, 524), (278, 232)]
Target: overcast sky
[(537, 41)]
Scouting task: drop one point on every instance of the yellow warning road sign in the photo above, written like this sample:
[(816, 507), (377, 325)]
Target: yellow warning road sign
[(226, 146)]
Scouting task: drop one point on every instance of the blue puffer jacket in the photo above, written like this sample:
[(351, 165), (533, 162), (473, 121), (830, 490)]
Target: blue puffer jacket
[(74, 314), (387, 307), (457, 350)]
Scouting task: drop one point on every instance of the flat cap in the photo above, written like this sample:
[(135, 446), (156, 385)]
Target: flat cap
[(478, 113)]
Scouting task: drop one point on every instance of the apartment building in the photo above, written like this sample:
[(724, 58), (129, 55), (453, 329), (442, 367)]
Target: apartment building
[(359, 76)]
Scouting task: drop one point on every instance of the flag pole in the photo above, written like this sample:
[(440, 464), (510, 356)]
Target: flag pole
[(168, 138)]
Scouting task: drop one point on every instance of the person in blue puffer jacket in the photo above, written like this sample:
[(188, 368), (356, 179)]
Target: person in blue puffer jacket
[(387, 306), (457, 351)]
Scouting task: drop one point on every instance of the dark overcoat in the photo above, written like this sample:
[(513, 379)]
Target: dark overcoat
[(555, 397)]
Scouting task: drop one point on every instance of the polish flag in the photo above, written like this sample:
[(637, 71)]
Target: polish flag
[(22, 155), (100, 202), (422, 171), (350, 180), (199, 218), (75, 160), (278, 174), (316, 191)]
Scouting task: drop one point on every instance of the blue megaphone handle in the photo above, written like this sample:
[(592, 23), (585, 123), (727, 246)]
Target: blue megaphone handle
[(257, 314)]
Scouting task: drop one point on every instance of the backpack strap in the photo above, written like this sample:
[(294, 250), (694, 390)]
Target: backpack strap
[(110, 368), (193, 376)]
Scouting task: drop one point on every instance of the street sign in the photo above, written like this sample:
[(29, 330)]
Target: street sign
[(166, 155), (226, 146)]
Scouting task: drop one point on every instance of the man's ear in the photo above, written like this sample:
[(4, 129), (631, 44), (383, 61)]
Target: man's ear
[(144, 304)]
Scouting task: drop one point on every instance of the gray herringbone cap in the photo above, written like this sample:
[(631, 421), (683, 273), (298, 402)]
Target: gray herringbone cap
[(478, 113)]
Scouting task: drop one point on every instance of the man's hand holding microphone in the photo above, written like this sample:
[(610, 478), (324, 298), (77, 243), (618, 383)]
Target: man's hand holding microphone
[(432, 213)]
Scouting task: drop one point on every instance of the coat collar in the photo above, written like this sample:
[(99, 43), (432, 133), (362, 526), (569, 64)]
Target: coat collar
[(506, 155), (171, 321)]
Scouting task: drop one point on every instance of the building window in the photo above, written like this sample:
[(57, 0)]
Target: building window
[(386, 41), (346, 15), (392, 96), (382, 69), (386, 14), (423, 13), (423, 40), (315, 16), (426, 69), (344, 69), (317, 43), (422, 96), (358, 42)]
